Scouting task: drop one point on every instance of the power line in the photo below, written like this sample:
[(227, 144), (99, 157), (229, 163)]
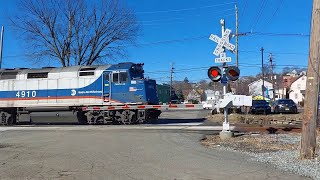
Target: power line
[(184, 17), (206, 68), (263, 4), (197, 38), (275, 12), (184, 9), (285, 53), (244, 7), (278, 34), (154, 24)]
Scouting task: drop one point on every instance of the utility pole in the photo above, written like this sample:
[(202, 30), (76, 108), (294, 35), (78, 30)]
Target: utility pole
[(237, 34), (262, 69), (272, 79), (309, 125), (237, 45), (1, 45), (171, 75)]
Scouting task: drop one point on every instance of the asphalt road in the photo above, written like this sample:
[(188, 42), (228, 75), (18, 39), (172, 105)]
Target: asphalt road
[(102, 152)]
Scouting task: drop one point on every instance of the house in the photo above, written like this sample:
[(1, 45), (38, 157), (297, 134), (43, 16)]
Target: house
[(287, 80), (255, 88), (211, 95), (194, 96), (297, 89)]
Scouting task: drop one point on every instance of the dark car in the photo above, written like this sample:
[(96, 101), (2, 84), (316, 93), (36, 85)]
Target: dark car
[(260, 106), (284, 106)]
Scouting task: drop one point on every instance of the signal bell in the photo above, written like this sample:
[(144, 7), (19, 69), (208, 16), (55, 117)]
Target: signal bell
[(214, 73), (232, 73)]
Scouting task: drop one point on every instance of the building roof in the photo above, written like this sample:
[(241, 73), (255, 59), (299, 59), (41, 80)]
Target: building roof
[(258, 81), (300, 76)]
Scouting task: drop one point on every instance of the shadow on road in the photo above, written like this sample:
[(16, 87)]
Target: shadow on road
[(158, 122), (176, 121)]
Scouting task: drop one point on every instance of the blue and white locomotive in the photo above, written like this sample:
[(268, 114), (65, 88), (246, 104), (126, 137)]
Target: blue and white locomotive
[(26, 93)]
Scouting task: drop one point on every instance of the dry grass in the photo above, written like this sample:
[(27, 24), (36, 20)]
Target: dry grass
[(251, 143)]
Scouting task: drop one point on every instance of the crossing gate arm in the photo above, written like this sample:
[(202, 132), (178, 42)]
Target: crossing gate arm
[(159, 107)]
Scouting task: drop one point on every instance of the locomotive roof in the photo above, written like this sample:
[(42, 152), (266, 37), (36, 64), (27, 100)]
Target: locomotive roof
[(69, 68)]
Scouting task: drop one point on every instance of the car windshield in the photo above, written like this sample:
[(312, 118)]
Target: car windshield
[(286, 101), (259, 102)]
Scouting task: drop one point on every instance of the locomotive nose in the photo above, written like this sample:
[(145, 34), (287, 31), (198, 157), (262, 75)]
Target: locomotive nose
[(151, 91)]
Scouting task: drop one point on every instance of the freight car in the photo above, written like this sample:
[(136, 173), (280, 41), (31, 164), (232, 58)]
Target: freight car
[(28, 94)]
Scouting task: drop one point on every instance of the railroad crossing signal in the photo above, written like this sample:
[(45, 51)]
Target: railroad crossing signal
[(214, 73), (232, 73), (222, 42)]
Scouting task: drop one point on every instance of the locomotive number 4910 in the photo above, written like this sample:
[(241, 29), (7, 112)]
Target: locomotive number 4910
[(22, 94)]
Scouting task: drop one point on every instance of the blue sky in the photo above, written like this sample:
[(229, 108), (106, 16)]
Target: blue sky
[(178, 31)]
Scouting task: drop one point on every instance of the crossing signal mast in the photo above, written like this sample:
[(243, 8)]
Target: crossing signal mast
[(225, 73)]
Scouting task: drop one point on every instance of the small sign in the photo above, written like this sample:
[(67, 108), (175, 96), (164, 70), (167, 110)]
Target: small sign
[(224, 80), (223, 58)]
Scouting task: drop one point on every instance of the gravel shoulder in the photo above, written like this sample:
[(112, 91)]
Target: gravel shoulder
[(278, 150)]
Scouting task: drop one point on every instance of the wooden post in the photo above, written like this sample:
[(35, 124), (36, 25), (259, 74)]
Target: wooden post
[(309, 125)]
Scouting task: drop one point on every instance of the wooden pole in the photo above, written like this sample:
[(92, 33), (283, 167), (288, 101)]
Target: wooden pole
[(237, 45), (309, 125), (272, 78)]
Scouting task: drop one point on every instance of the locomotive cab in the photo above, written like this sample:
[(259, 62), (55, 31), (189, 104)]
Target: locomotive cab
[(125, 83)]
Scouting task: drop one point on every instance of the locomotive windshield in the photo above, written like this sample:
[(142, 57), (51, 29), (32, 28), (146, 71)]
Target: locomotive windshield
[(137, 71)]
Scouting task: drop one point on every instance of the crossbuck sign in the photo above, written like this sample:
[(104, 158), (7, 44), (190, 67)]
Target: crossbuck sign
[(222, 43)]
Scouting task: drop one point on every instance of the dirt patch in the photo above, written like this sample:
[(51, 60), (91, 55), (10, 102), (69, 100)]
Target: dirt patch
[(257, 143), (283, 119)]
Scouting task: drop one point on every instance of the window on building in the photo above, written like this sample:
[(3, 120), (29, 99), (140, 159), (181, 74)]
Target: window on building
[(299, 86), (37, 75), (296, 95)]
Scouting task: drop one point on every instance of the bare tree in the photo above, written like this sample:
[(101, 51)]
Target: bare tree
[(76, 32)]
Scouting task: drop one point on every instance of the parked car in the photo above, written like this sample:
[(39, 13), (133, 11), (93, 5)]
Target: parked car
[(260, 107), (284, 106)]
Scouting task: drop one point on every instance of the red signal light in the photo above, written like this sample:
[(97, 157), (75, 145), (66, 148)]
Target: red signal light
[(233, 73), (214, 73)]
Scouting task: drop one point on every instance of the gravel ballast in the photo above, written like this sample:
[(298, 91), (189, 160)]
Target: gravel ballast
[(278, 150)]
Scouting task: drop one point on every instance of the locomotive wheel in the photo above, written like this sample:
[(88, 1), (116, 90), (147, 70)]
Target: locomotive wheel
[(127, 117), (100, 120), (6, 119)]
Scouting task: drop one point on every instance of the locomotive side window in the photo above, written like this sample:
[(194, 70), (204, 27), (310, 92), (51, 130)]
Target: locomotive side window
[(123, 77), (9, 75), (37, 75), (115, 77), (119, 77), (106, 76)]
